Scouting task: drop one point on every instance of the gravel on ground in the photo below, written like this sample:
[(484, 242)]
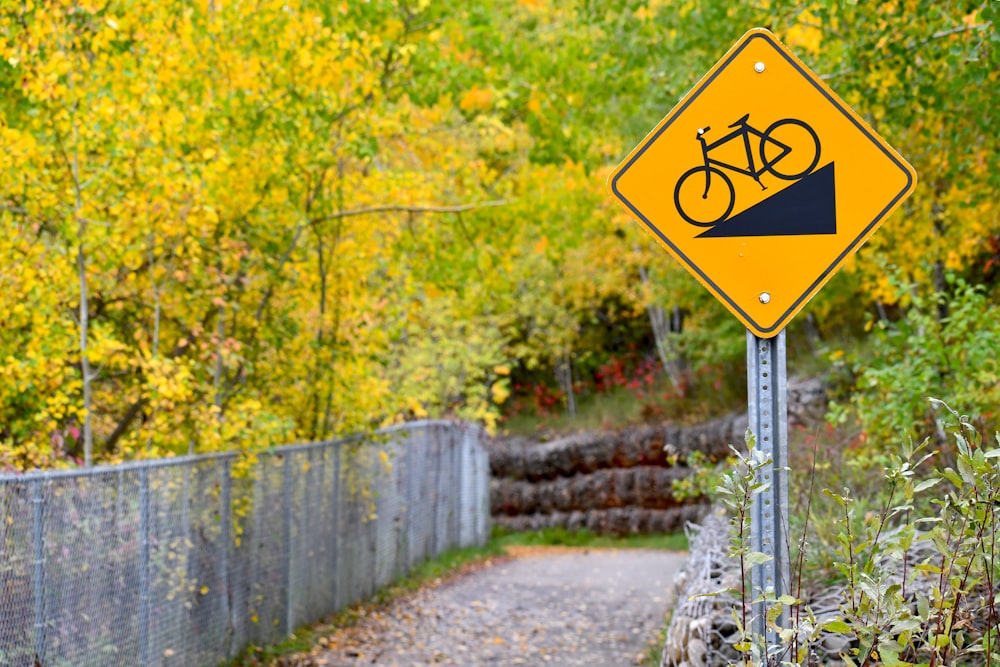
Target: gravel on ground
[(558, 607)]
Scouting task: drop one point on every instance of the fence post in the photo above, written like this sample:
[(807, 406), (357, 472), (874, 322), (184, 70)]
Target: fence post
[(286, 504), (408, 518), (483, 475), (458, 444), (398, 470), (335, 532), (435, 495), (307, 536), (144, 566), (226, 540), (38, 542), (454, 491), (470, 488)]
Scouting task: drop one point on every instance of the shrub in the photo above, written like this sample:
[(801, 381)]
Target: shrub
[(917, 579), (924, 354)]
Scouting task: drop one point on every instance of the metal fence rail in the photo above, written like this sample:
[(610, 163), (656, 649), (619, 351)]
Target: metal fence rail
[(186, 561)]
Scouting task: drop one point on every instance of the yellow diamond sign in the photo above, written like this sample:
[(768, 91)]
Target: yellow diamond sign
[(762, 182)]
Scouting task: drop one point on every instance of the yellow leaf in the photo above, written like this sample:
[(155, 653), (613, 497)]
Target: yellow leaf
[(499, 393), (476, 99)]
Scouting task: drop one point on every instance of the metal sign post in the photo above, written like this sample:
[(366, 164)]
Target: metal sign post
[(767, 390)]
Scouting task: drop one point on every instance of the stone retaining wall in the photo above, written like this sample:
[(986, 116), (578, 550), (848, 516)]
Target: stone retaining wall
[(618, 482)]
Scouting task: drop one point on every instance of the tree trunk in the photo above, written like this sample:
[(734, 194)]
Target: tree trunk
[(84, 317), (813, 333), (670, 357), (88, 377), (941, 286), (220, 334), (564, 376), (156, 320)]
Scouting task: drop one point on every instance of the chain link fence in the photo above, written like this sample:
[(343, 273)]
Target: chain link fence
[(186, 561)]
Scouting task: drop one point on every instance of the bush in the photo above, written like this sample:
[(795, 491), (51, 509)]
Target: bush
[(924, 354), (914, 582)]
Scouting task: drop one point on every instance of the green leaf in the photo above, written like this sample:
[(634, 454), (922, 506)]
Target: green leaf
[(928, 483), (964, 469), (905, 624), (889, 653), (952, 477), (709, 595), (773, 613), (836, 625), (923, 607), (756, 558)]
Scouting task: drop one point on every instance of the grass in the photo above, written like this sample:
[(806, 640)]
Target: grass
[(596, 410), (623, 406), (586, 538), (448, 563), (654, 651)]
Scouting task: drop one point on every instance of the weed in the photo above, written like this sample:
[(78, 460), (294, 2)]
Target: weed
[(918, 570)]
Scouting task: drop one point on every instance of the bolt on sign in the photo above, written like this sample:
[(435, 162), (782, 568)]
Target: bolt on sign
[(762, 182)]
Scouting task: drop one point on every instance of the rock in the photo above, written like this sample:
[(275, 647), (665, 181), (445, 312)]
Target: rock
[(613, 521), (697, 651), (673, 651), (587, 452), (835, 644), (617, 483)]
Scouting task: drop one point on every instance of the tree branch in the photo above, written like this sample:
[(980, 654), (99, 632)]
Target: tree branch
[(123, 424), (16, 210), (398, 208), (938, 35)]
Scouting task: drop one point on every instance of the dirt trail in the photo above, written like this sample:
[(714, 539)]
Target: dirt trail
[(557, 607)]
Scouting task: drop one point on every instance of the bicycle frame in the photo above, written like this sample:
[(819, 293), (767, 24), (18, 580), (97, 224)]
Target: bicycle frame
[(742, 130), (762, 155)]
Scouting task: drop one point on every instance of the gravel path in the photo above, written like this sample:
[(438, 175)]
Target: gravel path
[(558, 607)]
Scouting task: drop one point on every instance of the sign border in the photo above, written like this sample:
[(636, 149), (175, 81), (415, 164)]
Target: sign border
[(840, 105)]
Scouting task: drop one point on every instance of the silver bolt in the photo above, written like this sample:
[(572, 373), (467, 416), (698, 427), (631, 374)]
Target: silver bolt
[(765, 297), (759, 67)]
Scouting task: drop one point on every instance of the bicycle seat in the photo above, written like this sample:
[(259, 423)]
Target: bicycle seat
[(741, 121)]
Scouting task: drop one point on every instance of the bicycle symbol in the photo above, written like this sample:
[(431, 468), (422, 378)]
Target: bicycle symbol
[(704, 213)]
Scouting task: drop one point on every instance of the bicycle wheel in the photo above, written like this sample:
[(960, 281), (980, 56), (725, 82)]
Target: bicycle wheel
[(797, 148), (701, 207)]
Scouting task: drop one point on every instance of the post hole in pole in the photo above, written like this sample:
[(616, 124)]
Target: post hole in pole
[(767, 389)]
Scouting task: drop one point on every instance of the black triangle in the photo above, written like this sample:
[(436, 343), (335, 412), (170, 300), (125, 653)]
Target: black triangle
[(808, 206)]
